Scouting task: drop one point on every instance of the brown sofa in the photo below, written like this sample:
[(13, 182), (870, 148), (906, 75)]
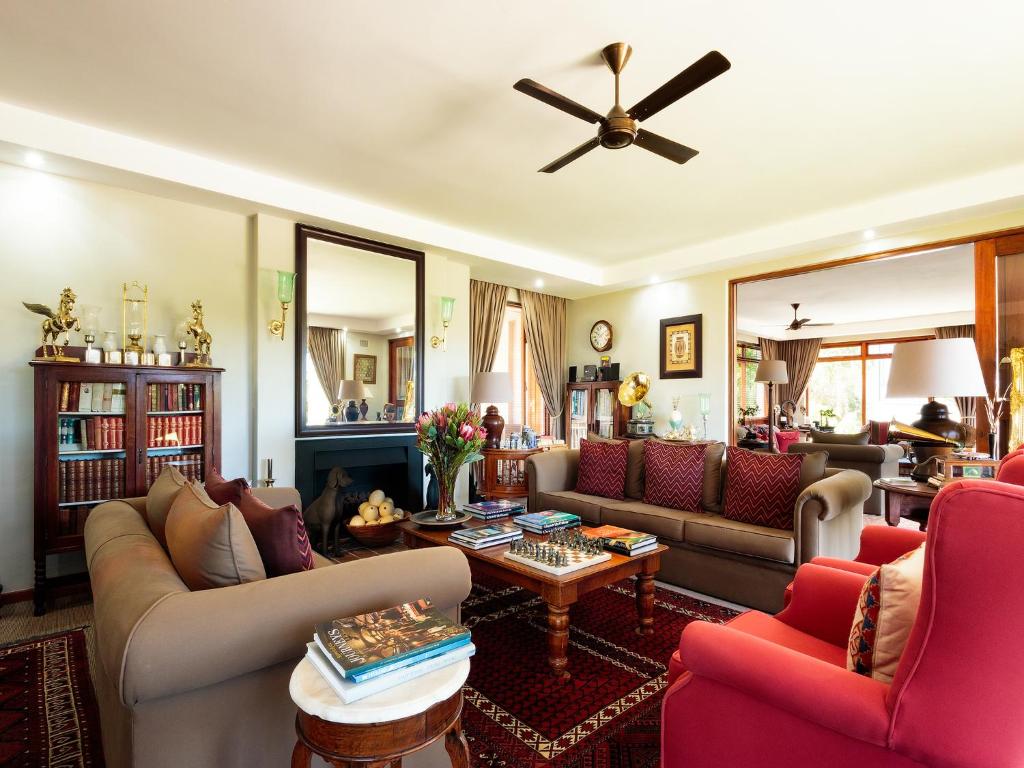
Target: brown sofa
[(875, 461), (201, 678), (747, 564)]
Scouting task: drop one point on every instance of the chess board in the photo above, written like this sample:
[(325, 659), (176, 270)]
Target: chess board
[(577, 561)]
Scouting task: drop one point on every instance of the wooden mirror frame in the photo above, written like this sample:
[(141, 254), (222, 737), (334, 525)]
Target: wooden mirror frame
[(304, 233)]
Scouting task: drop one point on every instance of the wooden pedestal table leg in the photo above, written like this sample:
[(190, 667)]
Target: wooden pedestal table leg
[(558, 640), (893, 507), (645, 603), (302, 757), (457, 746)]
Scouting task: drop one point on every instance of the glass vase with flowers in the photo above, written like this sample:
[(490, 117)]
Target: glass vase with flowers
[(449, 437)]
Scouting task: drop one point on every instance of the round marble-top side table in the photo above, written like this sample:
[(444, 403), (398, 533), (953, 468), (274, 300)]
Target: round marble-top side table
[(380, 730)]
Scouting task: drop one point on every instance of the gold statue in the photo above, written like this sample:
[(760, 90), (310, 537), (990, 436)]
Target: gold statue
[(203, 339), (56, 323)]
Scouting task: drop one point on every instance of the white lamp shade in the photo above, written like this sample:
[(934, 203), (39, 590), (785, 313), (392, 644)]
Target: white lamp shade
[(351, 389), (492, 387), (936, 368), (772, 372)]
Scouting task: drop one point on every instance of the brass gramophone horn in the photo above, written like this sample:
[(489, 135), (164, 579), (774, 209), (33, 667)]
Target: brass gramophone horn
[(634, 388)]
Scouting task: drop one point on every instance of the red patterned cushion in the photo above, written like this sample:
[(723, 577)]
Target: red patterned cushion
[(225, 491), (603, 468), (761, 488), (674, 475), (280, 535)]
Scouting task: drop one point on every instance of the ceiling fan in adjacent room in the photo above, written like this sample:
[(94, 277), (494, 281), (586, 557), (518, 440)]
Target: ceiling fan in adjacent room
[(805, 322), (619, 128)]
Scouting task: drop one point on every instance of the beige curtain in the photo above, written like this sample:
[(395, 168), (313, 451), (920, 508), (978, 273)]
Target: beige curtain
[(968, 405), (800, 355), (327, 349), (544, 323), (486, 309)]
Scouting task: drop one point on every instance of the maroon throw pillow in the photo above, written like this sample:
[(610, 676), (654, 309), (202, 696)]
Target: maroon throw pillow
[(280, 535), (225, 491), (761, 488), (603, 468), (674, 475)]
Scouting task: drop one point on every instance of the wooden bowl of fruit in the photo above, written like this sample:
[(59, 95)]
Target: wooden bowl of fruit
[(376, 525)]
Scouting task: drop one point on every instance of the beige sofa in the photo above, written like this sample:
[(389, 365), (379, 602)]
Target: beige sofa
[(201, 678), (746, 564), (875, 461)]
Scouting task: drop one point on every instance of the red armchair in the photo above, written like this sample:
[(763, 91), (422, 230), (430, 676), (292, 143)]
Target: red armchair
[(774, 691), (1011, 468)]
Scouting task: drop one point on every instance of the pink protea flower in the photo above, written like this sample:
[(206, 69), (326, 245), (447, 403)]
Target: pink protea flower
[(481, 433), (466, 431)]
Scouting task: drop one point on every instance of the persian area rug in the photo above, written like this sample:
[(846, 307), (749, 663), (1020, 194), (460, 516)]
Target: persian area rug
[(517, 715), (48, 713)]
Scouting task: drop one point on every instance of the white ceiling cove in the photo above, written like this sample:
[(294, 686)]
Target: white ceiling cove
[(409, 106)]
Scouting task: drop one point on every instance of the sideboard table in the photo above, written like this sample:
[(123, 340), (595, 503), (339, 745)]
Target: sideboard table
[(505, 472), (379, 730), (907, 498)]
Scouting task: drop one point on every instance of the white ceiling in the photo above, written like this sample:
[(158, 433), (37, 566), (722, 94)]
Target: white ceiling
[(410, 106), (918, 291)]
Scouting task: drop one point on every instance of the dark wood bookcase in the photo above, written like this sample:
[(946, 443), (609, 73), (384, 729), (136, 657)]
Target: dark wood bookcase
[(90, 452), (581, 410)]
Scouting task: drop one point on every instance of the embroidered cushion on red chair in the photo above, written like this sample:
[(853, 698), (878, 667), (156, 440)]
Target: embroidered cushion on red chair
[(603, 468), (761, 488), (674, 475)]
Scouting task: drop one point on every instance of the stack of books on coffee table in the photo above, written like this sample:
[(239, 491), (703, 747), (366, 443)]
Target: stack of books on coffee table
[(359, 656), (623, 540), (494, 509), (485, 535), (546, 522)]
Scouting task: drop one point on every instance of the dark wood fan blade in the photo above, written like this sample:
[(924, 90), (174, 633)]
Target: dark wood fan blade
[(567, 158), (557, 100), (667, 148), (690, 79), (817, 324)]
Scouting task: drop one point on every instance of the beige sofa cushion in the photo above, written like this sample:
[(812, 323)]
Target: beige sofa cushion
[(587, 507), (713, 477), (840, 438), (663, 522), (210, 546), (743, 538), (159, 499)]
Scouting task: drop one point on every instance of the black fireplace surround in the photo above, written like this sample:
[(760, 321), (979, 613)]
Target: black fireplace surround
[(389, 462)]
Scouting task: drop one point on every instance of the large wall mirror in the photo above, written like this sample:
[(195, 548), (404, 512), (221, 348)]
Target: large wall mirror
[(359, 355)]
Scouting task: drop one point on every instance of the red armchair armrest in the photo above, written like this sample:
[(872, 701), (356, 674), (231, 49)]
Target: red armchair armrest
[(823, 603), (882, 544), (805, 687)]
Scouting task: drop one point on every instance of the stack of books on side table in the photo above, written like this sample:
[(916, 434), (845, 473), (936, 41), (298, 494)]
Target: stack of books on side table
[(546, 522), (492, 510), (485, 536), (624, 541), (362, 655)]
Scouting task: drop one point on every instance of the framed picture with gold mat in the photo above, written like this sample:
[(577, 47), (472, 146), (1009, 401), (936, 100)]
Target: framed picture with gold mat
[(681, 345)]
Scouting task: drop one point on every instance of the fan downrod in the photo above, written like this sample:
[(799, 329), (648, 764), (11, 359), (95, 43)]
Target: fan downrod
[(618, 130)]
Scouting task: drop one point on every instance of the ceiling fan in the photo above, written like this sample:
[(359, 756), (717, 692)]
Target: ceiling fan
[(619, 127), (796, 325)]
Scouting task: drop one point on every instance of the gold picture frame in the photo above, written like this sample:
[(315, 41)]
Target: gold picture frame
[(364, 368), (682, 347)]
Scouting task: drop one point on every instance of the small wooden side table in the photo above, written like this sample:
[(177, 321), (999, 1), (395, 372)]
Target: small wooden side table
[(907, 499), (505, 472), (380, 730)]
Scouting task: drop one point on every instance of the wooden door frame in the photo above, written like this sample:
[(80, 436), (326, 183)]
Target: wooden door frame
[(393, 344), (986, 250)]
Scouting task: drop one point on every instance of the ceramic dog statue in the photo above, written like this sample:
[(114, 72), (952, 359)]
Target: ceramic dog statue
[(322, 514)]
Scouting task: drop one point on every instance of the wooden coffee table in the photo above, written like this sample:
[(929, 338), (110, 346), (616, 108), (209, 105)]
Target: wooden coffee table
[(558, 592)]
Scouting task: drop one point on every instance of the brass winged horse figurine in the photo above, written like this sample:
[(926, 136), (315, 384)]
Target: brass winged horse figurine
[(56, 323), (203, 338)]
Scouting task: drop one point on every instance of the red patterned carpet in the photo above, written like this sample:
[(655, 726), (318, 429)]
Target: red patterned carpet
[(52, 724), (607, 716)]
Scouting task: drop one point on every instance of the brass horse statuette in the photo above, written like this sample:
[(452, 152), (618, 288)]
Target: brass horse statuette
[(63, 321), (203, 338)]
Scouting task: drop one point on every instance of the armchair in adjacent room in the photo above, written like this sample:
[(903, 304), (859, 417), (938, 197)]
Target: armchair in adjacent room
[(775, 691)]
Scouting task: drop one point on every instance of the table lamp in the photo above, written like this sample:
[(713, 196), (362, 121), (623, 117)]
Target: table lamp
[(771, 372), (352, 390), (492, 387), (936, 368)]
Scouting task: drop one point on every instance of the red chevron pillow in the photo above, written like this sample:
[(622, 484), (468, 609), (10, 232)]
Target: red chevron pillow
[(761, 488), (674, 475), (603, 468)]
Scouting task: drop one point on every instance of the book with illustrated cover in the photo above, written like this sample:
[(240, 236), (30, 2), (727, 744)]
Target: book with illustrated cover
[(495, 506), (382, 640), (622, 538), (487, 532), (546, 521)]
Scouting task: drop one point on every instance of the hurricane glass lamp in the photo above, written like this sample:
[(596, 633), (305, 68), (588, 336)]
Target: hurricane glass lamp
[(447, 312), (285, 295), (771, 372), (492, 388), (90, 327), (704, 401)]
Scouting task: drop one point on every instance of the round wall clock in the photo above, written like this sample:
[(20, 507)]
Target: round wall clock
[(601, 336)]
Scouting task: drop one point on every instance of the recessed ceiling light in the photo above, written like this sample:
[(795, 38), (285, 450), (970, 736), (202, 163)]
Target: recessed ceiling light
[(538, 283), (34, 160), (398, 330), (869, 234), (655, 279)]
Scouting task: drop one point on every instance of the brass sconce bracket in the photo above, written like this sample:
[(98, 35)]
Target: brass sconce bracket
[(276, 327)]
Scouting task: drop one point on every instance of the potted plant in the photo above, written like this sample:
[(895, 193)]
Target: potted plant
[(826, 415), (449, 437)]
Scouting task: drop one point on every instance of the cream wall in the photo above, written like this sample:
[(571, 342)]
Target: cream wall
[(634, 315), (56, 231)]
